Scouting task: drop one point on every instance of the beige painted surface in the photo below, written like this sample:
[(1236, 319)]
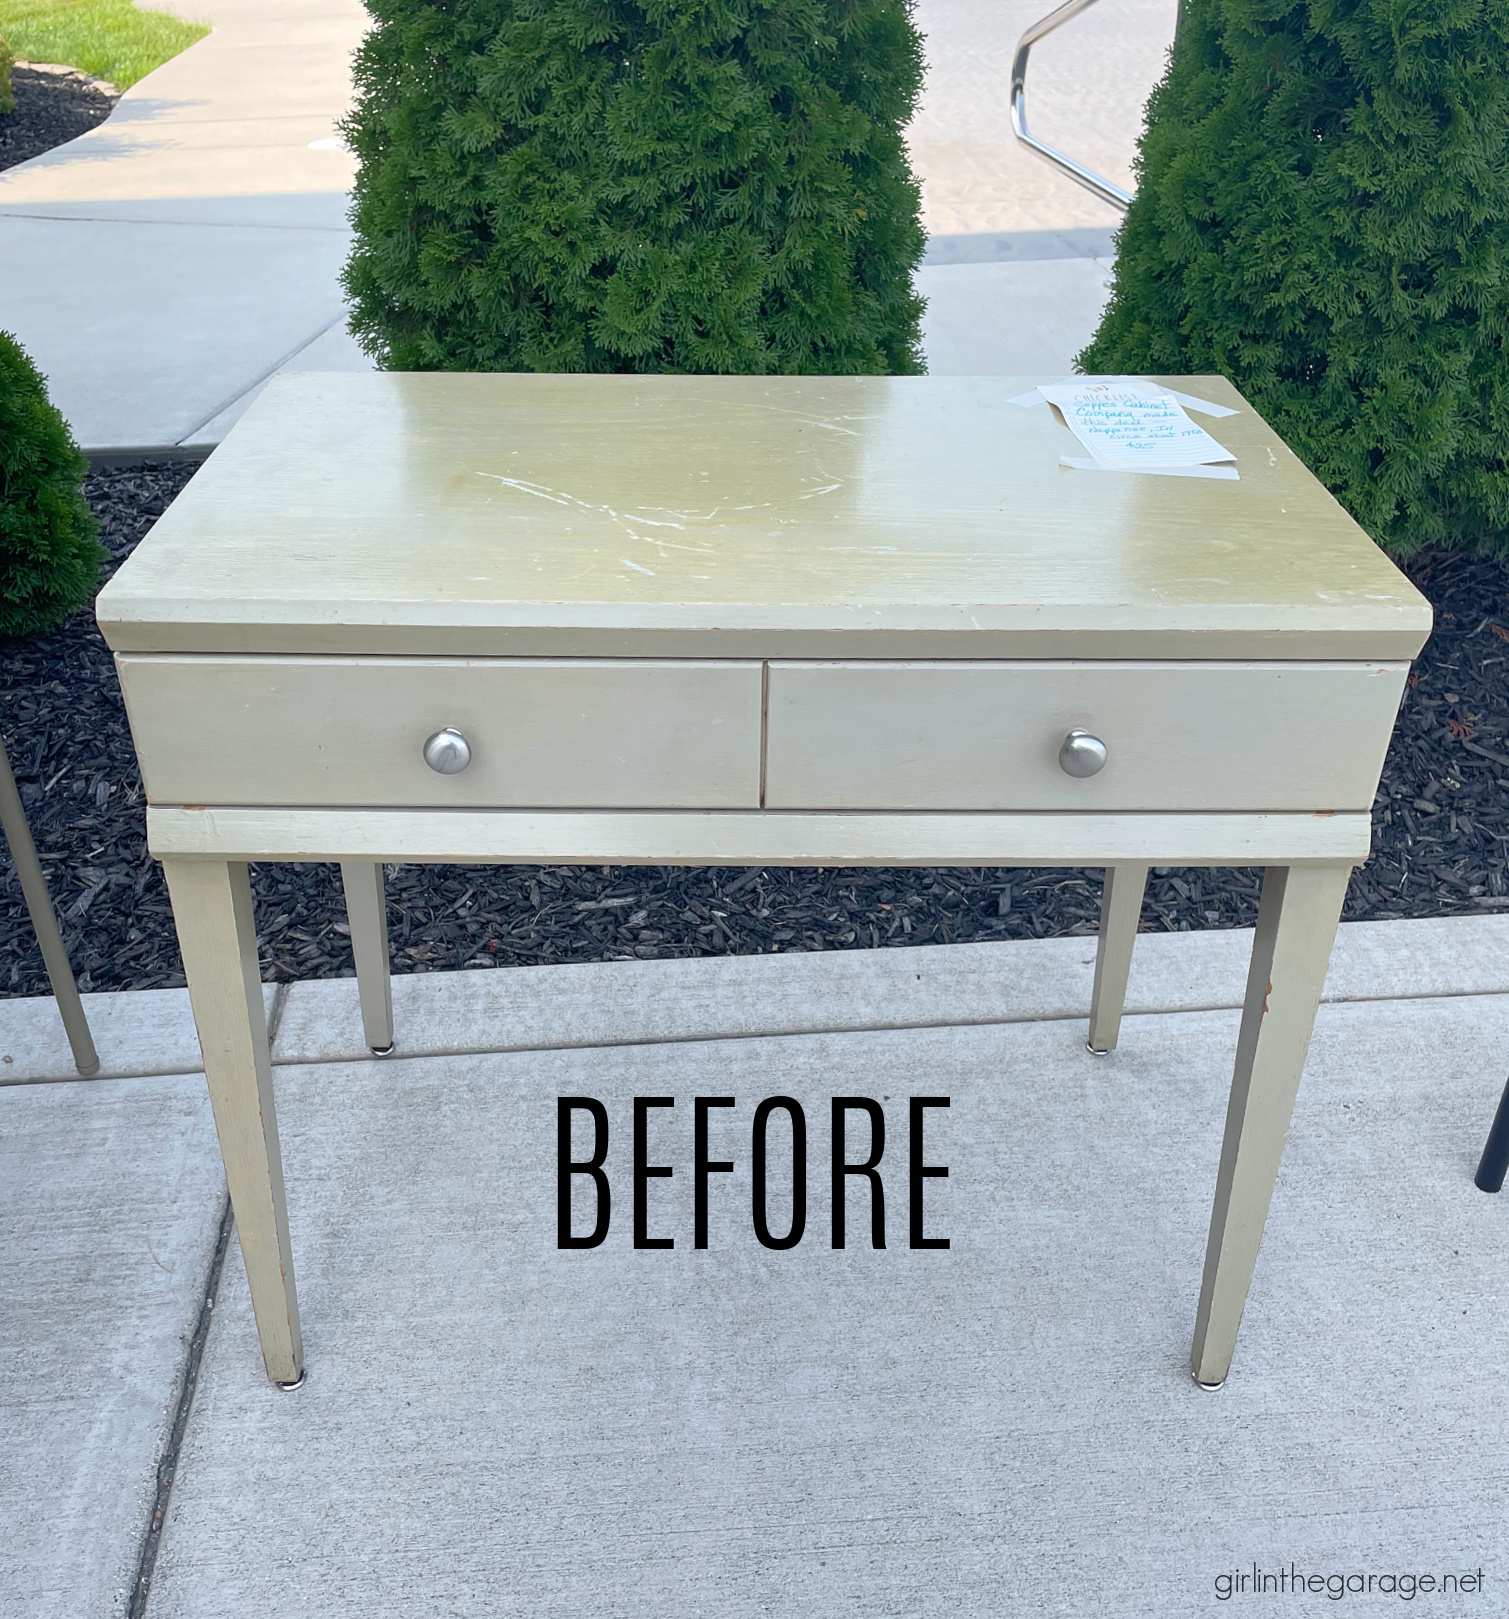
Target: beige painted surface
[(738, 516), (1296, 926), (367, 917), (657, 735), (1120, 912), (406, 509), (966, 736), (217, 933), (747, 838), (351, 731)]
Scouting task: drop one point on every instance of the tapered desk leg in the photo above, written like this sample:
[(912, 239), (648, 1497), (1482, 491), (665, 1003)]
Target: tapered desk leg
[(44, 921), (1120, 911), (367, 914), (212, 906), (1296, 928)]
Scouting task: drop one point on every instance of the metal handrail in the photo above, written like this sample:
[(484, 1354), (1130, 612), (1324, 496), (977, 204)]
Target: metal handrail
[(1088, 178)]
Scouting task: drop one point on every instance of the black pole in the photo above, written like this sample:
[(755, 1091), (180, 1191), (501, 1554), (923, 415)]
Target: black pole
[(1490, 1175)]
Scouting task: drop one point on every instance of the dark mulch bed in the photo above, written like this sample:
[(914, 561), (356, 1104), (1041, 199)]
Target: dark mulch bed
[(1440, 833), (51, 107)]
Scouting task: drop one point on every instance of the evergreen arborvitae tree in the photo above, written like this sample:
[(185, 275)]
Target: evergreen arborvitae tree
[(1322, 215), (636, 185), (50, 554)]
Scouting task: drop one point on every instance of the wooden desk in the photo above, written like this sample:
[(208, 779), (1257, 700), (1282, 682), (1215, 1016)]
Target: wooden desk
[(745, 621)]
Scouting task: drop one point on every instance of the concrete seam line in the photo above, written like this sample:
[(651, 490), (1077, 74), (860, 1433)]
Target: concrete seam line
[(256, 382), (11, 212), (167, 1467), (123, 1078), (275, 1017), (275, 1012), (428, 1053), (950, 249)]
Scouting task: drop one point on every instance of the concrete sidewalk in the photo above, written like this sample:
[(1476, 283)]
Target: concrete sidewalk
[(162, 266), (1019, 257), (491, 1425)]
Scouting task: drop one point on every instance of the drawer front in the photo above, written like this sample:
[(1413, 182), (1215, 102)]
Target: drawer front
[(986, 736), (589, 734)]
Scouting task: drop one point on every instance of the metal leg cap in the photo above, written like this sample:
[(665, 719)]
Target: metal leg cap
[(382, 1051), (297, 1383), (1095, 1051), (1209, 1388)]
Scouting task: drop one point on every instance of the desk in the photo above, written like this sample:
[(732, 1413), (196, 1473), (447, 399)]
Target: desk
[(749, 621)]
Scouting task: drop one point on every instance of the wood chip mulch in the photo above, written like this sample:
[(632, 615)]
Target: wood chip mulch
[(54, 105), (1441, 825)]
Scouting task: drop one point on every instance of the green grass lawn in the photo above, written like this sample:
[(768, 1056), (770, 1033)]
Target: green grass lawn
[(109, 38)]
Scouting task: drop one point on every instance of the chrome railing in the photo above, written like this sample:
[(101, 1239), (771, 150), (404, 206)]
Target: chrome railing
[(1088, 178)]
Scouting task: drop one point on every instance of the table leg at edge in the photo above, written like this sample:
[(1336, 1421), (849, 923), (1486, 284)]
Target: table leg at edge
[(1296, 928), (367, 914), (1120, 911), (212, 908), (44, 921)]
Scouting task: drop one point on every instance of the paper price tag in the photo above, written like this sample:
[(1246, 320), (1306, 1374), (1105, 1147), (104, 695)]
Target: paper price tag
[(1127, 426), (1206, 407)]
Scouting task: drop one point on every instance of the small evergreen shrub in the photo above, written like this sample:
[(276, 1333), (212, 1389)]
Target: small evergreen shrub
[(637, 185), (7, 93), (50, 554), (1322, 215)]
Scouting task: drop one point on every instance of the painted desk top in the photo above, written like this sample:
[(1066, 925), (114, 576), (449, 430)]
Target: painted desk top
[(567, 515)]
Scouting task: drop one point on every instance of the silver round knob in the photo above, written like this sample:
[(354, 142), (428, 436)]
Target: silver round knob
[(1082, 754), (448, 752)]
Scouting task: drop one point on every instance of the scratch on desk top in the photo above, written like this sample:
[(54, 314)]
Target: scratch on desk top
[(377, 511)]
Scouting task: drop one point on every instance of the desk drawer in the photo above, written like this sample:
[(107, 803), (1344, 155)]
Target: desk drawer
[(986, 736), (590, 734)]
